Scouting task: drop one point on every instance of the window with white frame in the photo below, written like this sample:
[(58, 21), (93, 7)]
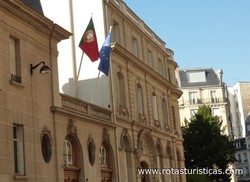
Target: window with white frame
[(214, 98), (67, 153), (193, 112), (18, 149), (155, 107), (193, 99), (15, 67), (103, 156), (216, 112)]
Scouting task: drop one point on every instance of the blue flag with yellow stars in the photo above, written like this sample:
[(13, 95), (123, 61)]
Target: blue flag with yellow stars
[(104, 55)]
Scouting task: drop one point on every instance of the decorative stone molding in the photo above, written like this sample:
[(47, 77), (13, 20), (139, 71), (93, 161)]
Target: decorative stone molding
[(71, 129), (123, 112), (157, 124), (105, 134), (91, 150), (45, 130), (142, 118)]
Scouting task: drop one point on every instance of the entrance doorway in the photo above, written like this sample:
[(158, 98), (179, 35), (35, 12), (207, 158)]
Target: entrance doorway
[(144, 177)]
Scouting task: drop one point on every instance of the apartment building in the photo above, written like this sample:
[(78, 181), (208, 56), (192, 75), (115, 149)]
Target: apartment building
[(204, 86)]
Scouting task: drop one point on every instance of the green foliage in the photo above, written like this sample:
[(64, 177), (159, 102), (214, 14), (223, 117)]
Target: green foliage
[(206, 145), (197, 178)]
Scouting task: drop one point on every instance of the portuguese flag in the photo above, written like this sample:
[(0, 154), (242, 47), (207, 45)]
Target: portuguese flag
[(88, 43)]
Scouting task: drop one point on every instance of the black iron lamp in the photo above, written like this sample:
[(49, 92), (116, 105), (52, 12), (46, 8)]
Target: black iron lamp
[(44, 68)]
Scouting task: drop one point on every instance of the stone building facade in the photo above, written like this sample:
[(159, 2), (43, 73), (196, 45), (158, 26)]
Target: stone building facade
[(49, 136)]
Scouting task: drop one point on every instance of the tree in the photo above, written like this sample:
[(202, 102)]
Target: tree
[(206, 146)]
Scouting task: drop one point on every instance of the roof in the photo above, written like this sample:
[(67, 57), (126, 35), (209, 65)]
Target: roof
[(34, 4), (199, 77)]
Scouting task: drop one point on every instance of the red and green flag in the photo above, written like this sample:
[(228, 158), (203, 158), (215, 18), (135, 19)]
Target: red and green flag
[(88, 43)]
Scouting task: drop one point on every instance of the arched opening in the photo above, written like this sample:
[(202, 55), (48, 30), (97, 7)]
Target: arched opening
[(127, 159), (178, 156), (170, 162), (72, 159), (105, 158), (144, 177)]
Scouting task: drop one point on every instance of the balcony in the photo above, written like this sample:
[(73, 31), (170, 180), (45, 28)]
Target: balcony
[(202, 101), (82, 108)]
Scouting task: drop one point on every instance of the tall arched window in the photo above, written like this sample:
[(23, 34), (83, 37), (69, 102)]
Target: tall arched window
[(121, 90), (155, 107), (173, 116), (115, 32), (127, 160), (139, 97), (135, 47), (164, 113)]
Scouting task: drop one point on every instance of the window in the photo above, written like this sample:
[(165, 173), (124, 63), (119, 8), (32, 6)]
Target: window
[(139, 98), (91, 152), (244, 157), (135, 47), (214, 98), (198, 76), (121, 90), (173, 115), (239, 158), (15, 67), (18, 149), (116, 32), (193, 112), (67, 153), (216, 112), (169, 74), (103, 156), (46, 148), (164, 112), (150, 59), (160, 67), (154, 103), (193, 98)]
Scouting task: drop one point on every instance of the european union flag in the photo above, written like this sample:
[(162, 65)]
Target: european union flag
[(104, 55)]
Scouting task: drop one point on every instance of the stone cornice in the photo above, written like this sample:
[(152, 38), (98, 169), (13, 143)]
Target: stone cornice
[(122, 52), (34, 19)]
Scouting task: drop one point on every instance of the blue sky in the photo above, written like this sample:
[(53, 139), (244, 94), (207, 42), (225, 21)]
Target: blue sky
[(212, 33)]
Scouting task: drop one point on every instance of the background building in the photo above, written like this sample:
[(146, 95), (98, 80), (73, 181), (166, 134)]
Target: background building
[(50, 136), (239, 107), (204, 87)]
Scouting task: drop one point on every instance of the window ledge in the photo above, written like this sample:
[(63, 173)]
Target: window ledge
[(16, 84), (19, 177)]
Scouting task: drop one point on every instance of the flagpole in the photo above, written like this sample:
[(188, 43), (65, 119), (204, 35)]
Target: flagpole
[(78, 74), (73, 44), (93, 95)]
